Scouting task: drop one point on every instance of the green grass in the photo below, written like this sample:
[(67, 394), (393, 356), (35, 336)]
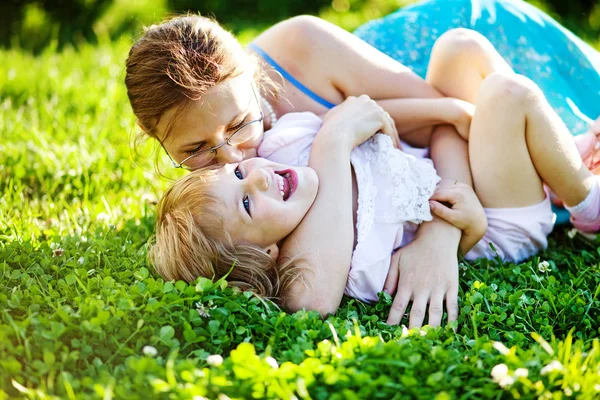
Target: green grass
[(79, 304)]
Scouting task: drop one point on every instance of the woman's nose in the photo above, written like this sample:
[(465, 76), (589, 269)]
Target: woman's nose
[(229, 154)]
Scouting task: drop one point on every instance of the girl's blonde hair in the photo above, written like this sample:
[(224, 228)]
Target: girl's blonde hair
[(191, 241), (180, 60)]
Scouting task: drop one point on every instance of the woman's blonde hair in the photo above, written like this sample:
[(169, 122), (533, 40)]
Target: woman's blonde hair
[(191, 241)]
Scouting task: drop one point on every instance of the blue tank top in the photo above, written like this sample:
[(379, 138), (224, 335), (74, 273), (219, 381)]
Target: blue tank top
[(290, 78)]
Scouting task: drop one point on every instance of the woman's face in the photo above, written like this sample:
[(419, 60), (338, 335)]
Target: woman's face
[(210, 120)]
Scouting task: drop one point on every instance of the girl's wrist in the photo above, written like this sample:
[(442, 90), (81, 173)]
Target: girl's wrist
[(333, 139)]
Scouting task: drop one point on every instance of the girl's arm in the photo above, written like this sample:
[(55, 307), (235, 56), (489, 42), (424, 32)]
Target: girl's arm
[(324, 239), (446, 110)]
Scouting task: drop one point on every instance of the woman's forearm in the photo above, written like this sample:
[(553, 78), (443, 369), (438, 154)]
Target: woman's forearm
[(450, 156)]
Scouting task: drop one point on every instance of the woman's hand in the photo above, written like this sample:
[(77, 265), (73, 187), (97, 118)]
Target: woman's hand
[(462, 209), (425, 277), (359, 118)]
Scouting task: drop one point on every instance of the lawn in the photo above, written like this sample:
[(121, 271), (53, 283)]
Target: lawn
[(84, 316)]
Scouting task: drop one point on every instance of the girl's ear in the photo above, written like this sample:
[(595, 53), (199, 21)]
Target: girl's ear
[(273, 251)]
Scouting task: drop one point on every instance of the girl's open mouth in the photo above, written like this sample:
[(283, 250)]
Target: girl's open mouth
[(290, 182)]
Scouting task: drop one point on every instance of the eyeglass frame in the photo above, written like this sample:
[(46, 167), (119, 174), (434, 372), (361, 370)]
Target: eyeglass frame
[(214, 149)]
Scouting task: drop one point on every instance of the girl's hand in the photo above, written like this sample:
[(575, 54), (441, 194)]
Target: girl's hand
[(461, 115), (359, 118), (462, 209), (425, 277)]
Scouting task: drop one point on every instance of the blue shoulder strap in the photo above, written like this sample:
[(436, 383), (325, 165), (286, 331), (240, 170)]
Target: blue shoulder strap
[(290, 78)]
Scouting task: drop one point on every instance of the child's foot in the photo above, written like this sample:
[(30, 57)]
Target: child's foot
[(588, 145), (585, 216)]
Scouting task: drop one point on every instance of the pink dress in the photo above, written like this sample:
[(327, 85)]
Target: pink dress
[(393, 193)]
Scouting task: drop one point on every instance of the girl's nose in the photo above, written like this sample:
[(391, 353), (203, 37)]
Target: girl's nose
[(229, 154), (259, 180)]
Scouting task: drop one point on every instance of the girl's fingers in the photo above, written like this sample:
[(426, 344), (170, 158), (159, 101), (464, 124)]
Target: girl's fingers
[(436, 309), (442, 211), (389, 128), (395, 137)]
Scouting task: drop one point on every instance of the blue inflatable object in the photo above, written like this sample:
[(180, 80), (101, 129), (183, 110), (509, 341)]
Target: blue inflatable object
[(566, 68)]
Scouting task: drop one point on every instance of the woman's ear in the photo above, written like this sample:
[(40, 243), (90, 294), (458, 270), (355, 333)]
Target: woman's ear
[(273, 251), (137, 121)]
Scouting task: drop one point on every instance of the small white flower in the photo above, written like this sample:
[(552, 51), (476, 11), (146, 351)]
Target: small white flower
[(568, 392), (571, 233), (81, 260), (214, 360), (202, 310), (272, 362), (544, 266), (521, 373), (507, 381), (102, 217), (501, 348), (597, 387), (499, 372), (150, 351), (405, 331), (553, 366), (57, 252)]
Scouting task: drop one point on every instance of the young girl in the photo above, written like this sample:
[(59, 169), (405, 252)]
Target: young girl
[(257, 205)]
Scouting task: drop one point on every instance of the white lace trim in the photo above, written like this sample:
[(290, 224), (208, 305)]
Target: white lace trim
[(408, 182)]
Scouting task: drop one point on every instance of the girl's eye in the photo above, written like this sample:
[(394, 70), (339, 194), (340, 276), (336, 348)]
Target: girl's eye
[(246, 203), (238, 173)]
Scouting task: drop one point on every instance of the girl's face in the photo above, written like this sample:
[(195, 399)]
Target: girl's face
[(262, 201), (210, 120)]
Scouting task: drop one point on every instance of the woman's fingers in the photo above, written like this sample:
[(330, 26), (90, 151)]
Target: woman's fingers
[(452, 303), (417, 312), (436, 308), (391, 281), (398, 309)]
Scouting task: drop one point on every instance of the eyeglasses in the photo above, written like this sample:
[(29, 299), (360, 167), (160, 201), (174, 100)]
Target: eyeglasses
[(205, 156)]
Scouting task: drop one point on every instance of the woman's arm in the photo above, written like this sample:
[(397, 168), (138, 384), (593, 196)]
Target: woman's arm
[(426, 270), (336, 64)]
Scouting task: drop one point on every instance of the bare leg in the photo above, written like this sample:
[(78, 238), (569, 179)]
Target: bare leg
[(516, 142), (460, 60)]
